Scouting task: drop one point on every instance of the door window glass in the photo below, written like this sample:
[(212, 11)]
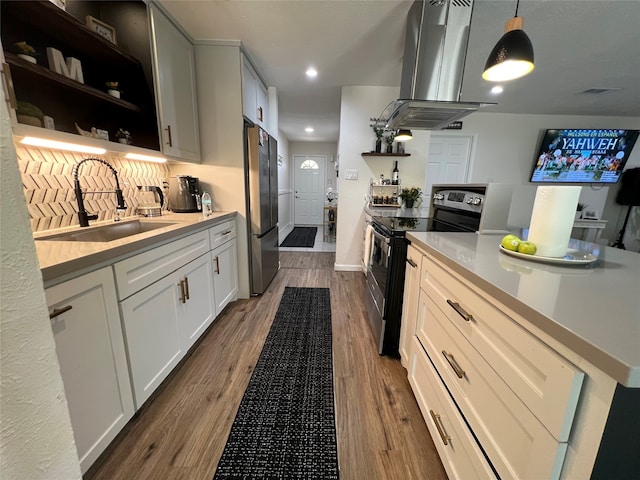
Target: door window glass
[(309, 165)]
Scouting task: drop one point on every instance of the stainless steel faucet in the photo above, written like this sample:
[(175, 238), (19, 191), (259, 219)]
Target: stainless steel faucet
[(83, 216)]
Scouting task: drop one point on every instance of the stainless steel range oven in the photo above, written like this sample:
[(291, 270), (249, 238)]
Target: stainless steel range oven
[(454, 208), (385, 278)]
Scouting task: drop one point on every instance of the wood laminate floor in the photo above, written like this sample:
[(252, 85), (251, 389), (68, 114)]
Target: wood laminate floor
[(181, 431)]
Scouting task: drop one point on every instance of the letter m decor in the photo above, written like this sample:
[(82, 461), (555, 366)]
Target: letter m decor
[(71, 68)]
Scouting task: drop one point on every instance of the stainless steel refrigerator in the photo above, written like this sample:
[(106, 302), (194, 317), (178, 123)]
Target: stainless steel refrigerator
[(261, 174)]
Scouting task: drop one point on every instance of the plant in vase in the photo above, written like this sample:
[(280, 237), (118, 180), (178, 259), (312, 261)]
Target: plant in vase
[(410, 196), (29, 114), (124, 136), (379, 131), (388, 139), (112, 89), (25, 51)]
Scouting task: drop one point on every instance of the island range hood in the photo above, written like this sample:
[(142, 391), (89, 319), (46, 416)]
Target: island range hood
[(433, 64)]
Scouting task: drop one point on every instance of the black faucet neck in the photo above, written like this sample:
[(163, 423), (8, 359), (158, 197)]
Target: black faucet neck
[(83, 216)]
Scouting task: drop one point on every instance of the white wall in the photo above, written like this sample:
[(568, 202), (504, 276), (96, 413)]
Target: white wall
[(358, 105), (36, 439), (506, 146), (285, 189), (219, 90), (504, 149)]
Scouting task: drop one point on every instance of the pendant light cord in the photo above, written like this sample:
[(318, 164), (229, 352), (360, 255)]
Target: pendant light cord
[(517, 6)]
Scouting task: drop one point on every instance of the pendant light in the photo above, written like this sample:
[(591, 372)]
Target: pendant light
[(403, 135), (512, 57)]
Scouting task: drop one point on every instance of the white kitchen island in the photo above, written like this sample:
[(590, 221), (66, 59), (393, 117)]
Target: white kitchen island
[(541, 363)]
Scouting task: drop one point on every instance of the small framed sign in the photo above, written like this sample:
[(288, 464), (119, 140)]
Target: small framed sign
[(590, 215), (101, 28)]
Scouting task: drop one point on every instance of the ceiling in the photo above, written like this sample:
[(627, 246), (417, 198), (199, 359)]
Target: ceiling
[(578, 44)]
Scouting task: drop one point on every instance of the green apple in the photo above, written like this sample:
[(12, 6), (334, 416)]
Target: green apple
[(510, 242), (527, 247)]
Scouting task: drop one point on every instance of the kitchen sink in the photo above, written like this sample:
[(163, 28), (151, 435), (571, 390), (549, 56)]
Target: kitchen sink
[(108, 233)]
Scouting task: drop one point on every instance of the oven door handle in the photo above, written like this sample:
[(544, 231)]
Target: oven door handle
[(380, 236)]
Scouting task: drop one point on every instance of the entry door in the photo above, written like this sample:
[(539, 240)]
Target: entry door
[(309, 188), (449, 158)]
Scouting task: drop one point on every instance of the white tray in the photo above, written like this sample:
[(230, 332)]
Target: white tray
[(572, 257)]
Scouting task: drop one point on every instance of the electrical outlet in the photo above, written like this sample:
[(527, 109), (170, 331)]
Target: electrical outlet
[(351, 174)]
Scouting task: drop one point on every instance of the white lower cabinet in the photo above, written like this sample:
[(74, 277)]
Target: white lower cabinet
[(225, 274), (410, 304), (163, 320), (197, 311), (459, 452), (224, 259), (91, 352), (498, 400)]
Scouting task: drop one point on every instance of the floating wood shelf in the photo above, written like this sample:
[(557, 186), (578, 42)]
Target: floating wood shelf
[(374, 154), (46, 75)]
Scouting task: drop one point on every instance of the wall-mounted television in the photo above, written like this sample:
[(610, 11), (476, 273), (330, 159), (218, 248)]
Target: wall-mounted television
[(582, 155)]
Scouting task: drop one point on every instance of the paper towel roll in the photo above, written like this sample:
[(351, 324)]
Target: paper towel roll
[(554, 212)]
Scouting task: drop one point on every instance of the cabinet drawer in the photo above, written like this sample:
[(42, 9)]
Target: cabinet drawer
[(547, 383), (460, 455), (222, 233), (517, 443), (135, 273)]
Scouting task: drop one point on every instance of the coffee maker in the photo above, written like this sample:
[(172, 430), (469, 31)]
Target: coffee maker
[(184, 194)]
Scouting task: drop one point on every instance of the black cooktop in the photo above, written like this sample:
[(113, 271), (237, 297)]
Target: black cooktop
[(399, 225)]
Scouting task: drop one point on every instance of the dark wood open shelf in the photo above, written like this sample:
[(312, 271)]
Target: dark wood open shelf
[(20, 67), (67, 30), (42, 25), (375, 154)]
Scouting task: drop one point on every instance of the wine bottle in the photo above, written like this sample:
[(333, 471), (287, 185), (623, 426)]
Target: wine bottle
[(394, 177)]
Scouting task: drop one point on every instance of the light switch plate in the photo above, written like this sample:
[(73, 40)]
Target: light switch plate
[(351, 174)]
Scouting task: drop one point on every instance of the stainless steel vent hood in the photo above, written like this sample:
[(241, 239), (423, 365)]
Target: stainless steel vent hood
[(433, 64)]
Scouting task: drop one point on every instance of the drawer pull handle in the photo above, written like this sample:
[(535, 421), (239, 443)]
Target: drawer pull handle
[(456, 306), (217, 265), (452, 361), (436, 419), (183, 297), (411, 262), (59, 311), (186, 287), (225, 233)]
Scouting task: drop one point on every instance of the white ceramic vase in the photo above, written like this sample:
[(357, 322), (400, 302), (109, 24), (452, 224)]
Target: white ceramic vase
[(114, 93)]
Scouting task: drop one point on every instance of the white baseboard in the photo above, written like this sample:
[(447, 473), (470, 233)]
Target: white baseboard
[(283, 232), (347, 268)]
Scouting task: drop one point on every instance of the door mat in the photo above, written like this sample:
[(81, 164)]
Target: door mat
[(301, 237), (285, 425)]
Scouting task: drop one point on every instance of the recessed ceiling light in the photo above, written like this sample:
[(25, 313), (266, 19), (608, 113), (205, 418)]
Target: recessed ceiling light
[(311, 72), (497, 90), (308, 129)]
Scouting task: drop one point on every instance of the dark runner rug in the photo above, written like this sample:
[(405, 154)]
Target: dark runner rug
[(300, 237), (285, 425)]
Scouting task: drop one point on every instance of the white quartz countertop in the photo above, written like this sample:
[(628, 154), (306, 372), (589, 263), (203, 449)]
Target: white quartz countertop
[(64, 259), (397, 212), (594, 311)]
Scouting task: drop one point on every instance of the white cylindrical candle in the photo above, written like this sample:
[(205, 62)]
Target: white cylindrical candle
[(554, 212)]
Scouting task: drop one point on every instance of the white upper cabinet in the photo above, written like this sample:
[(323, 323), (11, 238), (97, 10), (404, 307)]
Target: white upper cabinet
[(255, 98), (175, 83)]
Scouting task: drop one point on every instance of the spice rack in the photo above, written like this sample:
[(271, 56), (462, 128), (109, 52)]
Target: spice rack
[(384, 195)]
